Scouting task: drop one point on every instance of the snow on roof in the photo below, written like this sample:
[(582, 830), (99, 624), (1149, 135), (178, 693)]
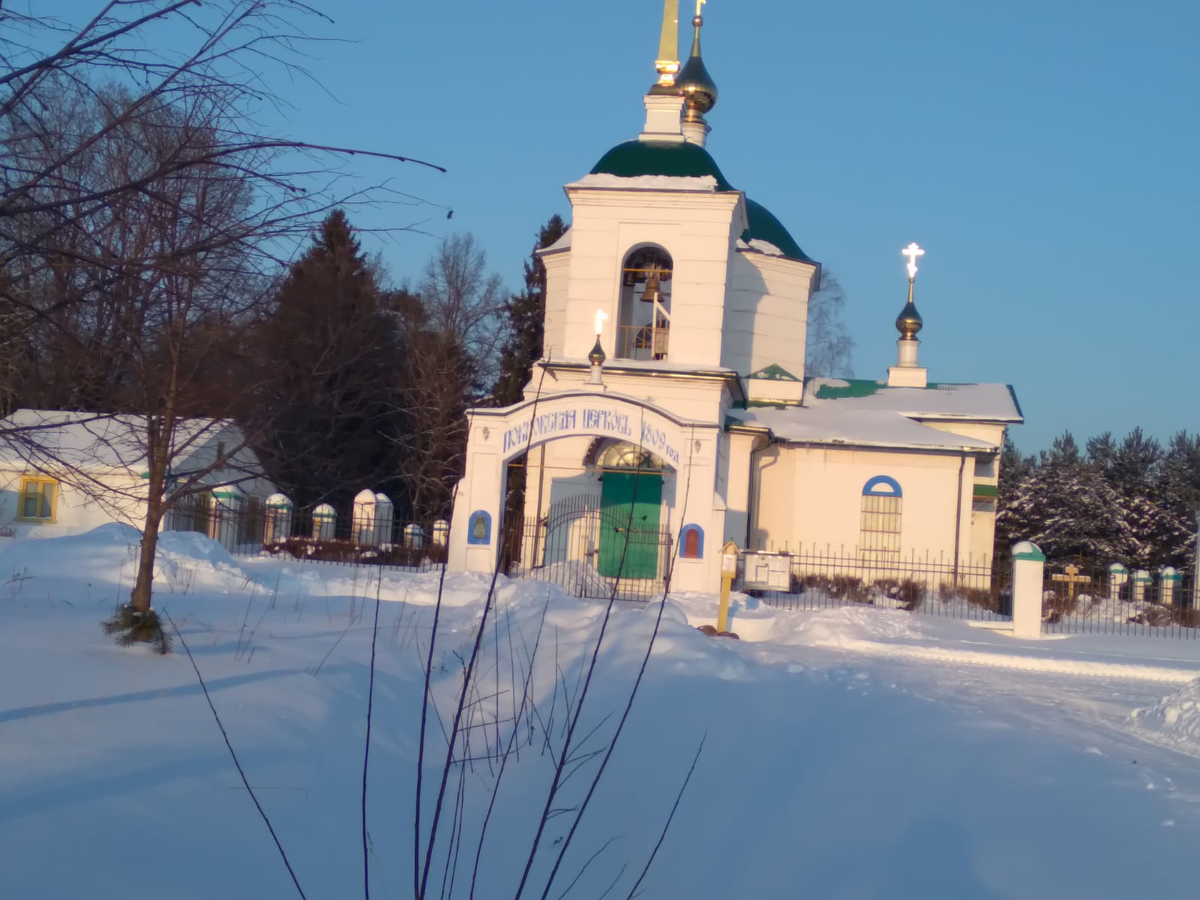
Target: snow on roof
[(647, 182), (987, 402), (855, 427), (93, 440), (563, 243), (765, 247)]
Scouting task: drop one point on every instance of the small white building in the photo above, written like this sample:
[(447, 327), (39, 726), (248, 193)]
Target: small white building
[(669, 412), (65, 472)]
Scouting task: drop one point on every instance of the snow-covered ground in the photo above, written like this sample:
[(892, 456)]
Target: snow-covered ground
[(848, 753)]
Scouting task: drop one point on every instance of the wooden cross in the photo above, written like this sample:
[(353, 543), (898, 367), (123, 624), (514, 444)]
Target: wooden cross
[(912, 251), (1071, 577)]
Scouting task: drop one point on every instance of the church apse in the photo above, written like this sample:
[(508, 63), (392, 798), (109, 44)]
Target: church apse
[(644, 312)]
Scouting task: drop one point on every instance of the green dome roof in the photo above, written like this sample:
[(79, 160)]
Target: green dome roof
[(678, 159), (688, 160), (763, 226)]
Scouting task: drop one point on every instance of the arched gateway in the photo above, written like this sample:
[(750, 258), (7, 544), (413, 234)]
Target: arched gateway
[(609, 479)]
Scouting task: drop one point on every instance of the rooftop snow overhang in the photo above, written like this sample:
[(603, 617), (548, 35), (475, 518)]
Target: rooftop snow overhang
[(882, 430)]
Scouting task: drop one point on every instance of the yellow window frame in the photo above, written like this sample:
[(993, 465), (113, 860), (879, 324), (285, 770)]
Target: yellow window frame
[(35, 487)]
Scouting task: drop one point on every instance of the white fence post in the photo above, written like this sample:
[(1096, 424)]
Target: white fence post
[(277, 519), (324, 523), (441, 530), (1118, 577), (1168, 584), (1029, 566), (1141, 581)]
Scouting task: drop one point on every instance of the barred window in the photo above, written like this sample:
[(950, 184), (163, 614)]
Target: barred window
[(879, 535)]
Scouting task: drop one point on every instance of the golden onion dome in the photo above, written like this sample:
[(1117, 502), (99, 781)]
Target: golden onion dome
[(693, 80), (909, 322)]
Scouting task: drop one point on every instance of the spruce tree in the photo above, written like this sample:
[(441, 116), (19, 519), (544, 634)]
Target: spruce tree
[(1069, 510), (1012, 525), (1176, 490), (330, 351)]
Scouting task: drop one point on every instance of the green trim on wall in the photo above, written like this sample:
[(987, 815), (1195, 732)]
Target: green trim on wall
[(773, 372)]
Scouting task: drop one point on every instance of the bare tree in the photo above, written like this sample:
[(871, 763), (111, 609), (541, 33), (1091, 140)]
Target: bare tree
[(453, 331), (828, 345), (142, 206)]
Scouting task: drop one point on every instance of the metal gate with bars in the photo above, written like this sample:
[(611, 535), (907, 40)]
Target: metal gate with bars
[(591, 550)]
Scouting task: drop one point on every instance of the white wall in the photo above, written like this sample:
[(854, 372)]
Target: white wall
[(812, 497), (558, 270), (696, 228), (75, 510), (701, 399), (766, 316), (81, 506)]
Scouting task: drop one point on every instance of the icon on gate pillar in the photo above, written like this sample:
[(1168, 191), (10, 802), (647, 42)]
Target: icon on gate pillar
[(479, 528)]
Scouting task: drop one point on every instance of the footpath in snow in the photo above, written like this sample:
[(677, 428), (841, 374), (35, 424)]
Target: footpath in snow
[(893, 633)]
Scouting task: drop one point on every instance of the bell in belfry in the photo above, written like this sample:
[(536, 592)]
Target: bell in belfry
[(652, 294)]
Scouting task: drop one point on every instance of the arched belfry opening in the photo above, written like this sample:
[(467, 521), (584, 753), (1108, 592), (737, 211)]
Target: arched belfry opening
[(644, 317)]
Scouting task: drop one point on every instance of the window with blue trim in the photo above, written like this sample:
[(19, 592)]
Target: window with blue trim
[(879, 533)]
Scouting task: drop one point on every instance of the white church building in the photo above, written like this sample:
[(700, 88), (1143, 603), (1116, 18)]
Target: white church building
[(669, 412)]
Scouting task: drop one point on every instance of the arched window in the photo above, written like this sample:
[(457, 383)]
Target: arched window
[(644, 315), (879, 535), (623, 455)]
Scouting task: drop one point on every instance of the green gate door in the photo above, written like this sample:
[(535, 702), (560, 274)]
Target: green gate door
[(622, 492)]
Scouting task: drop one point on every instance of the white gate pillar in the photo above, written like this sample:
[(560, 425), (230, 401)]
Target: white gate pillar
[(478, 509), (1029, 565), (701, 507)]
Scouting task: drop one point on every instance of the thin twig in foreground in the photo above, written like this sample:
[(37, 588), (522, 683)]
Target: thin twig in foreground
[(367, 743), (237, 765), (667, 824)]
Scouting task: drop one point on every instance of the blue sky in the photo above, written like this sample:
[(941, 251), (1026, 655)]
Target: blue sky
[(1047, 155)]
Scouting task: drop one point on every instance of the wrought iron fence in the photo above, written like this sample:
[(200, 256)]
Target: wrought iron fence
[(1081, 599), (251, 527), (931, 585), (590, 551)]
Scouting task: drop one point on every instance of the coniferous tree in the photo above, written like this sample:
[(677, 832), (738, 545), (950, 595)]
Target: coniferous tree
[(1129, 469), (1011, 523), (330, 349), (1069, 510), (1177, 493)]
